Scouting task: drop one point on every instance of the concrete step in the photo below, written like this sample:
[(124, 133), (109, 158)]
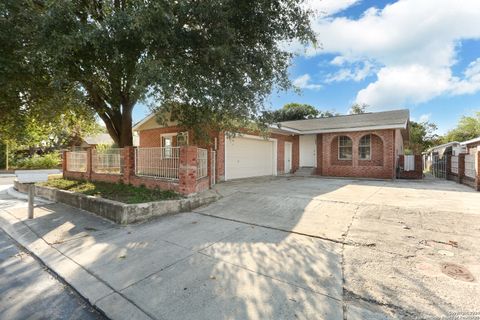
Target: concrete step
[(305, 171)]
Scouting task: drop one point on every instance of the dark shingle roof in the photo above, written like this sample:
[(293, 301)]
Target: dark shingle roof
[(386, 119)]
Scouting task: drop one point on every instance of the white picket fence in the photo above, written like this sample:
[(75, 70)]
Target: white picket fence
[(77, 161), (161, 162)]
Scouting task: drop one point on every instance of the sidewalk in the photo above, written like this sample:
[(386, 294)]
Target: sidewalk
[(182, 267)]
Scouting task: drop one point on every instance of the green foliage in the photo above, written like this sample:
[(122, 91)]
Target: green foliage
[(113, 191), (47, 161), (296, 111), (36, 107), (422, 137), (210, 62), (467, 128), (3, 150), (358, 108)]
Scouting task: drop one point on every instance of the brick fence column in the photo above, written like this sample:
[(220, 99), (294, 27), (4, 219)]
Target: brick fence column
[(461, 167), (477, 168), (129, 163), (187, 172), (64, 162)]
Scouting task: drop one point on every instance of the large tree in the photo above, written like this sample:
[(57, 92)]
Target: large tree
[(467, 128), (207, 64), (36, 106), (296, 111), (422, 136), (358, 108)]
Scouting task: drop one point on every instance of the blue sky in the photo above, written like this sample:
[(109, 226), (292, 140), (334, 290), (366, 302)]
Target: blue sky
[(422, 55)]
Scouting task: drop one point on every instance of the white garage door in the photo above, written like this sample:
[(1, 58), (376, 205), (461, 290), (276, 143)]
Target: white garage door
[(245, 157)]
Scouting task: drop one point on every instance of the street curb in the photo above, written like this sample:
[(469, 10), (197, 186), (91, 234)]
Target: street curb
[(94, 290)]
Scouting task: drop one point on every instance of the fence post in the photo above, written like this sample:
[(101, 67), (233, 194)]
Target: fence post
[(187, 171), (129, 163), (64, 162), (209, 166), (448, 167), (461, 167), (477, 168), (89, 164)]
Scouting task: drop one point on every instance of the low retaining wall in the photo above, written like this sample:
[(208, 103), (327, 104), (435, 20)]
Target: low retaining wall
[(120, 212)]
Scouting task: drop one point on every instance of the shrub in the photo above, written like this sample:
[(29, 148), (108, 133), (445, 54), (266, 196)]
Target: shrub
[(46, 161)]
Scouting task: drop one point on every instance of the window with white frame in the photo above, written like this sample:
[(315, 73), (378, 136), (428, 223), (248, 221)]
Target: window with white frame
[(364, 148), (344, 148), (167, 144)]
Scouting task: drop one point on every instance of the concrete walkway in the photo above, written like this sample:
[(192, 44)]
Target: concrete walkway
[(276, 248)]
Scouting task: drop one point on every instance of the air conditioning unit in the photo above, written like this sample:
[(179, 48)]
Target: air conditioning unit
[(182, 138)]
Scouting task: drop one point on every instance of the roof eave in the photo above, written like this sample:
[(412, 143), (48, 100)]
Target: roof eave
[(137, 126), (366, 128)]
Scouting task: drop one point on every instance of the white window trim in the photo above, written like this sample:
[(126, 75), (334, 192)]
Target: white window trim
[(338, 153), (166, 135), (370, 146)]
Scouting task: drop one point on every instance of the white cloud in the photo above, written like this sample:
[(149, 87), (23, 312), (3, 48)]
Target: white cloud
[(304, 82), (414, 42), (357, 74)]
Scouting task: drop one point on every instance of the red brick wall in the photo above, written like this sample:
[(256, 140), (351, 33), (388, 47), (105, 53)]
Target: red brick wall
[(381, 166), (319, 154), (151, 137)]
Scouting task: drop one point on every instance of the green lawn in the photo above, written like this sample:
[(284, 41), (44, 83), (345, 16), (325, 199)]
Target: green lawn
[(113, 191)]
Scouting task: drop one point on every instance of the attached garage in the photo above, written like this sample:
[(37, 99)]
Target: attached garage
[(249, 156)]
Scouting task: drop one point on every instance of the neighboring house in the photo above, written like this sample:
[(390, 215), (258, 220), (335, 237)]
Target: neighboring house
[(472, 145), (98, 139), (361, 145)]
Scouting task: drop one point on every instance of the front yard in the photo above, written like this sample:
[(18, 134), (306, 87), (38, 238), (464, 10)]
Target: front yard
[(113, 191)]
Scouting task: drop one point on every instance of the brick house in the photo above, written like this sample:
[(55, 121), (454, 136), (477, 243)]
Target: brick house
[(364, 145)]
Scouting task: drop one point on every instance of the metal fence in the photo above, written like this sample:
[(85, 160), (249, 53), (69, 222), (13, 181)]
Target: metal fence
[(77, 161), (157, 162), (202, 163), (108, 161), (454, 167), (439, 167), (470, 166)]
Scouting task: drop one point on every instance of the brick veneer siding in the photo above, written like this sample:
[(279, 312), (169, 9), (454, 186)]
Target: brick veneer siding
[(381, 166), (151, 137)]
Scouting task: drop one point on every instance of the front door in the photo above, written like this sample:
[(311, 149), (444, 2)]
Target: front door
[(308, 150), (288, 157)]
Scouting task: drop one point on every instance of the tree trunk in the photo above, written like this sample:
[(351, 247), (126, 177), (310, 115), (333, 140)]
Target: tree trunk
[(126, 137)]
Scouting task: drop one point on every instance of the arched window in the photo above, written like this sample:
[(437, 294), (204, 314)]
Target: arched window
[(344, 148), (365, 148)]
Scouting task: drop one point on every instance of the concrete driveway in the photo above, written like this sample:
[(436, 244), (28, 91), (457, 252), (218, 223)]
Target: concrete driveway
[(277, 248)]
